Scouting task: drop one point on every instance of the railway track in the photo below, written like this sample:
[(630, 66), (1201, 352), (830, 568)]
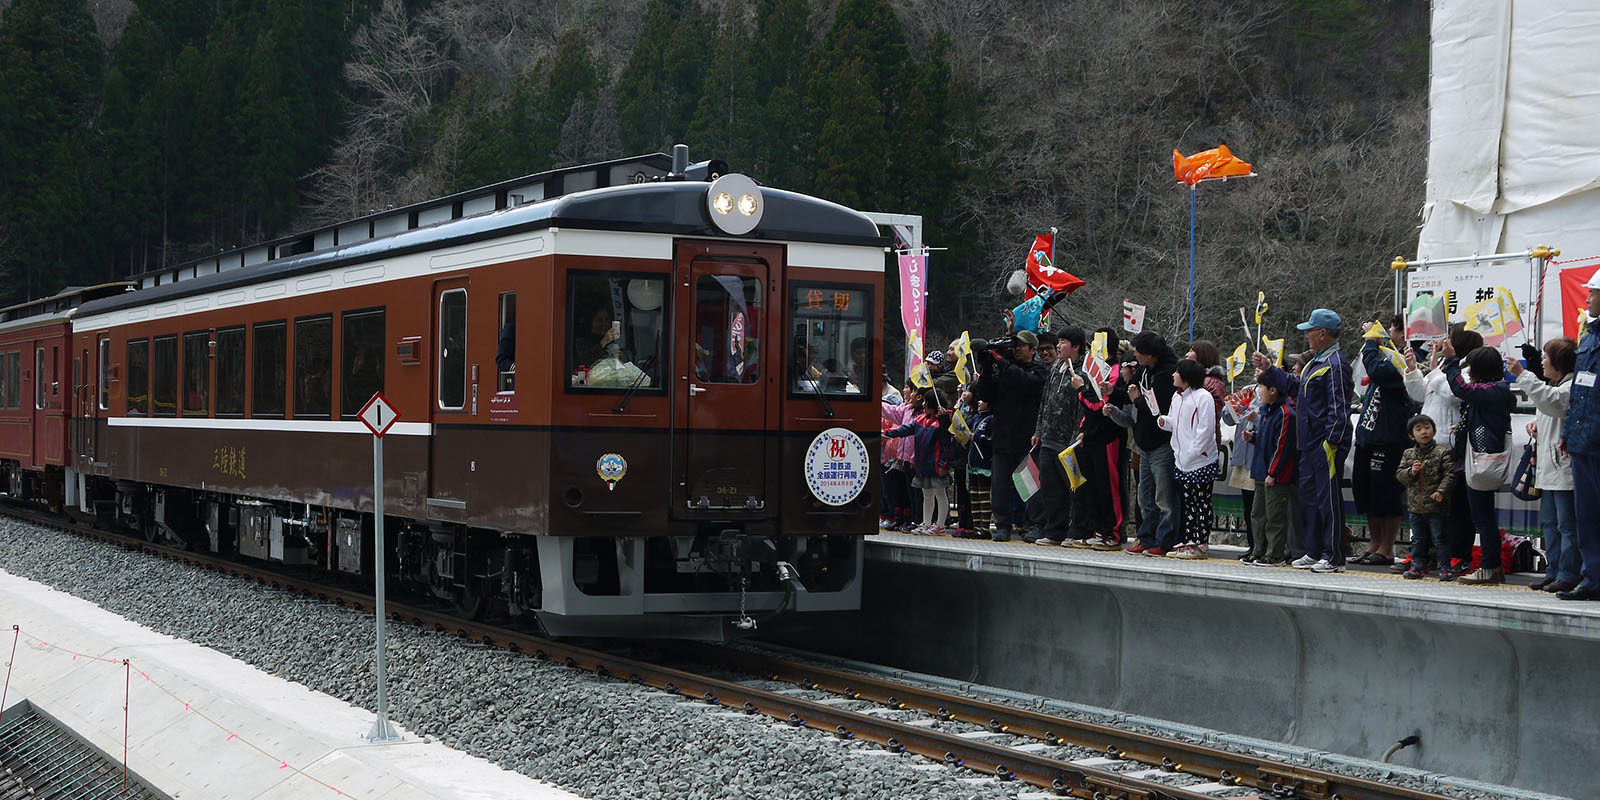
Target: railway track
[(1066, 757)]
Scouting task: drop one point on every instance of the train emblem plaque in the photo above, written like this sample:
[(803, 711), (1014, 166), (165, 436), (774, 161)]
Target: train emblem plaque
[(837, 466)]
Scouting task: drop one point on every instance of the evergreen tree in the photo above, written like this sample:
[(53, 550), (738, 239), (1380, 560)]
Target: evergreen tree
[(856, 91), (50, 66), (660, 86), (725, 123)]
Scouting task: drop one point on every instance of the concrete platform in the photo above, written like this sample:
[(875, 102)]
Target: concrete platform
[(277, 739), (1497, 682)]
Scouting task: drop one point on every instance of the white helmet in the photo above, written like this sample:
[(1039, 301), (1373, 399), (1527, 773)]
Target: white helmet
[(1594, 281)]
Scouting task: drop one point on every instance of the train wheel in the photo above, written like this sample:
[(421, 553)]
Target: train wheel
[(472, 597)]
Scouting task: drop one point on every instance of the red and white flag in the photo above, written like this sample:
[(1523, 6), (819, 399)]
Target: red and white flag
[(1132, 316), (1043, 274)]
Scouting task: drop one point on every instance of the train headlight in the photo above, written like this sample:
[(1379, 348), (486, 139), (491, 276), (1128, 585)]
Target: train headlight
[(735, 204)]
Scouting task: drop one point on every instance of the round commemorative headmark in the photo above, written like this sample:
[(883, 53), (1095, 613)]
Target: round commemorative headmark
[(837, 466)]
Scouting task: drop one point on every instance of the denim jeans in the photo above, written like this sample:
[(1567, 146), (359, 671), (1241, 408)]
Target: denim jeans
[(1158, 497), (1430, 541), (1487, 524), (1559, 518)]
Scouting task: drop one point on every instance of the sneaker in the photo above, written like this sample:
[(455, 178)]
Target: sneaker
[(1135, 549), (1188, 551), (1403, 565), (1304, 562), (1002, 535), (1446, 575), (1414, 574), (1265, 563), (1047, 541), (1327, 566), (1482, 575), (1104, 543), (1248, 560), (1084, 543), (1155, 551)]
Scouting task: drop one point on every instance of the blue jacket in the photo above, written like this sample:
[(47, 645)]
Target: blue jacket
[(1582, 428), (932, 458), (1322, 406), (1487, 408), (1274, 453), (981, 449), (1386, 408)]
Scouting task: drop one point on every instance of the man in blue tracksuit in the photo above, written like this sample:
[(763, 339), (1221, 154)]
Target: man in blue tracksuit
[(1580, 435), (1322, 430)]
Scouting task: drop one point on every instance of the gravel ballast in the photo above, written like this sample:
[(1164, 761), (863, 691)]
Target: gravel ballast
[(598, 737)]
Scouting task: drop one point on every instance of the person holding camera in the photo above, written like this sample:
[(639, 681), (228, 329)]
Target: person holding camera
[(1017, 388)]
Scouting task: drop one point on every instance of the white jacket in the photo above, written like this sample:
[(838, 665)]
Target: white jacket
[(1193, 423), (1432, 390), (1550, 403)]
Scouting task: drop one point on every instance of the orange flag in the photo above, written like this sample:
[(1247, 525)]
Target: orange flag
[(1218, 163)]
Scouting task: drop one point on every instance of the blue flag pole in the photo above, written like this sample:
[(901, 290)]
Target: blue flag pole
[(1191, 262)]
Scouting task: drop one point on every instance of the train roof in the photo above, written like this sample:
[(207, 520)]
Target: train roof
[(60, 305), (673, 207)]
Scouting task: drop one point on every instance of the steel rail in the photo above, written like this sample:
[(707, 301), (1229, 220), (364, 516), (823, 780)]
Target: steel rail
[(1171, 754), (1004, 763)]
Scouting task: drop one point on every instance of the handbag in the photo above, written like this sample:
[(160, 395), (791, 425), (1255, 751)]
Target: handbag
[(1524, 482), (1486, 472)]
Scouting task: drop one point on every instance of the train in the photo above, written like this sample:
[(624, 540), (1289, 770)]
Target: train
[(634, 398)]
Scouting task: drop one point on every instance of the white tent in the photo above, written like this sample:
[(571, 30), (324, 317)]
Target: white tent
[(1514, 150)]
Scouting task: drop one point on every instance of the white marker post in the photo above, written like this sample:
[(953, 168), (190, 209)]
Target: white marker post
[(378, 416)]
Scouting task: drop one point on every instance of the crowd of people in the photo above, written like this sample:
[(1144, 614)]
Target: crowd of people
[(1429, 424)]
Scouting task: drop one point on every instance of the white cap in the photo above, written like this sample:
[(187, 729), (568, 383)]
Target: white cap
[(1594, 281)]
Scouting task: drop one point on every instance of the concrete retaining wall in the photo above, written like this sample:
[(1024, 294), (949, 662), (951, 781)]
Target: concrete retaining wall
[(1501, 706)]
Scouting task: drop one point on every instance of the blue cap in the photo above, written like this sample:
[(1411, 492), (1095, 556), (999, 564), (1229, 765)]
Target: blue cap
[(1323, 318)]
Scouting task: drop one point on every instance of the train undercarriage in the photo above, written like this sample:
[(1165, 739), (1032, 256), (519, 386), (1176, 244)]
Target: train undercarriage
[(716, 581)]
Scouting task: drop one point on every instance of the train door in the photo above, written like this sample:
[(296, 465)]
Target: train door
[(454, 398), (95, 381), (724, 356)]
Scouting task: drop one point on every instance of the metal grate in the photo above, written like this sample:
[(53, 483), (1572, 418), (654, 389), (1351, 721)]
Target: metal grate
[(40, 758)]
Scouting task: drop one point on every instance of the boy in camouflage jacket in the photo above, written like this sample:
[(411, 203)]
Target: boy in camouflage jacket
[(1427, 472)]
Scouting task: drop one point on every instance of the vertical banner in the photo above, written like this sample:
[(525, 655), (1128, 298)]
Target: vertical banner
[(914, 303)]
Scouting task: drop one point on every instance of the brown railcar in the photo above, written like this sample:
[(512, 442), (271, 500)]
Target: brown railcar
[(611, 405)]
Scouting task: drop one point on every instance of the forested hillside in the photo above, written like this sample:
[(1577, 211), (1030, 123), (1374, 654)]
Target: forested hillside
[(136, 133)]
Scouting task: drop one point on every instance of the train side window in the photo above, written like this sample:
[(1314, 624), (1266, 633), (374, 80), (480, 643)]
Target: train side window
[(313, 366), (505, 352), (724, 350), (138, 378), (16, 380), (831, 345), (105, 375), (615, 324), (230, 372), (164, 376), (5, 380), (269, 362), (39, 401), (196, 374), (452, 355), (361, 347)]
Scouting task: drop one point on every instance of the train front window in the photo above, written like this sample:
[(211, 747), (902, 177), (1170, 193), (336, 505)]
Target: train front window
[(164, 376), (138, 378), (727, 342), (831, 339), (616, 326)]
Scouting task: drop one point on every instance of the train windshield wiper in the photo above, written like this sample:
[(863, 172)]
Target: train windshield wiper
[(827, 407), (627, 397)]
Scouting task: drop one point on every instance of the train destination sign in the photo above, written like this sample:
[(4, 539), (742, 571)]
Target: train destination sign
[(837, 466)]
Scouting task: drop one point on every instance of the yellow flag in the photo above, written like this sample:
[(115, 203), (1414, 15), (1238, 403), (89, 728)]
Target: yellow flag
[(1395, 358), (1069, 462), (1274, 348), (959, 427), (1237, 361), (1376, 331), (921, 377), (1097, 346), (1261, 306)]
